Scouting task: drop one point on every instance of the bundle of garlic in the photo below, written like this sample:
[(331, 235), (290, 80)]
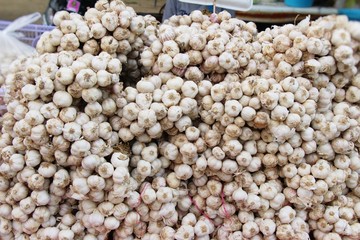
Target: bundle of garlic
[(235, 135), (110, 27), (208, 46), (55, 133)]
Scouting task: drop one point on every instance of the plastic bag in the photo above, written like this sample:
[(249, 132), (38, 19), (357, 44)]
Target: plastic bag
[(11, 47)]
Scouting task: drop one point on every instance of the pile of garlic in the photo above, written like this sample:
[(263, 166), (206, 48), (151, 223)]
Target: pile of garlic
[(236, 134), (264, 123)]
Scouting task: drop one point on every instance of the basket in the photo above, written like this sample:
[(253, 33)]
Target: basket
[(31, 33)]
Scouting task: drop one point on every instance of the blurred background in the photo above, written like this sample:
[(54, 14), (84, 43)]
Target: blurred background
[(10, 10), (264, 11)]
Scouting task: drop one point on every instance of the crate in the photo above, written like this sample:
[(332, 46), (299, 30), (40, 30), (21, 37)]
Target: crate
[(30, 33)]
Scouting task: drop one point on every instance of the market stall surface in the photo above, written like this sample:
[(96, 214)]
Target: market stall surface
[(10, 10)]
